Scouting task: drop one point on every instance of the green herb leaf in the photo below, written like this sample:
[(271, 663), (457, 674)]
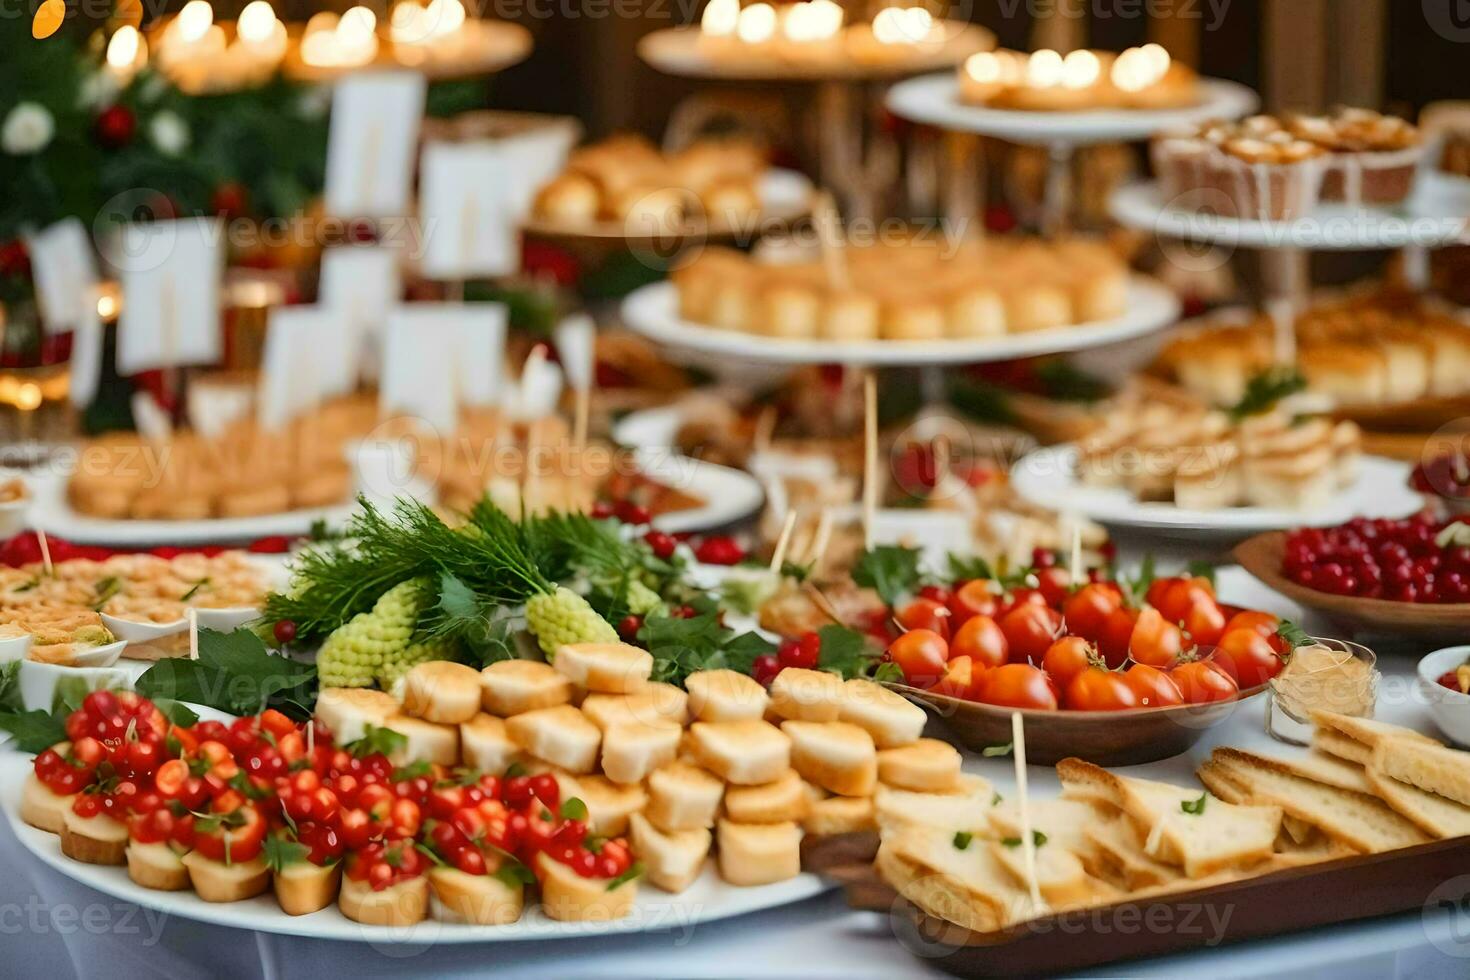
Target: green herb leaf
[(514, 874), (10, 700), (106, 589), (891, 570), (996, 799), (1264, 390), (1037, 839), (1202, 569), (377, 741), (962, 840), (996, 751), (1195, 807), (34, 731), (635, 870), (281, 852), (194, 589), (414, 770), (178, 713), (573, 809), (236, 674), (845, 652), (1293, 634), (888, 672), (968, 568)]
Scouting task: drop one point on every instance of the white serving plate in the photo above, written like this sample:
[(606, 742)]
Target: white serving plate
[(707, 900), (729, 495), (654, 312), (785, 196), (1048, 478), (934, 99), (1330, 227)]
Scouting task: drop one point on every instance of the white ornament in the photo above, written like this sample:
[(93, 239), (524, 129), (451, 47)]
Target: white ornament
[(28, 129), (169, 133)]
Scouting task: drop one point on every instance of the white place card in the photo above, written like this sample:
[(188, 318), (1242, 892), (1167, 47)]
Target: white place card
[(420, 374), (304, 362), (475, 336), (363, 282), (86, 360), (576, 348), (534, 158), (170, 272), (371, 142), (65, 271), (936, 533), (538, 391), (467, 226)]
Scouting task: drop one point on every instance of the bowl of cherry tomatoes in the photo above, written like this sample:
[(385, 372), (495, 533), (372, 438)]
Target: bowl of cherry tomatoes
[(1444, 680), (1118, 673), (1408, 577)]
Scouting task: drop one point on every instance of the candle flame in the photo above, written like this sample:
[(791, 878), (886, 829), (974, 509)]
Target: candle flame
[(720, 18), (194, 21), (757, 23), (257, 22), (123, 47)]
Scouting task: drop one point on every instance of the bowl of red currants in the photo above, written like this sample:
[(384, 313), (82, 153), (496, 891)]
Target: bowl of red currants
[(1409, 577), (1444, 680)]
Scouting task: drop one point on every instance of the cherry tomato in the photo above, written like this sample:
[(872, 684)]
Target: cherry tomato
[(921, 655), (1098, 689), (1054, 584), (1202, 682), (982, 640), (963, 678), (1178, 595), (1153, 687), (1117, 635), (1068, 657), (226, 841), (276, 723), (925, 614), (1086, 611), (1029, 629), (1248, 656), (1205, 623), (1021, 597), (1018, 686), (1262, 622), (974, 598), (1155, 641)]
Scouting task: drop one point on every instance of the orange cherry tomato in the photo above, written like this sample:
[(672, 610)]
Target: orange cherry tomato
[(1180, 595), (1248, 656), (1154, 688), (1029, 629), (1117, 634), (1054, 583), (1155, 641), (1097, 689), (963, 678), (974, 598), (276, 723), (1086, 611), (981, 640), (921, 655), (1203, 682), (1262, 622), (1019, 686), (925, 614), (1068, 657), (1205, 623)]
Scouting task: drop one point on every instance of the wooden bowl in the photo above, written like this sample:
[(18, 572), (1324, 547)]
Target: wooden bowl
[(1105, 738), (1262, 556)]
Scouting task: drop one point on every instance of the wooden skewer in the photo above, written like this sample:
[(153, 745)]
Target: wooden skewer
[(829, 235), (784, 541), (1028, 842), (46, 566), (870, 457), (765, 429), (1076, 565), (582, 400), (823, 604), (817, 551), (193, 633), (310, 738)]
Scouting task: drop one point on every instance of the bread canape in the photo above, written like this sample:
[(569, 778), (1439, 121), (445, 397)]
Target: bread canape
[(479, 899), (672, 859), (569, 897), (300, 885), (758, 854), (513, 687), (925, 766), (486, 745), (384, 884), (348, 712), (40, 805), (157, 865), (781, 800), (97, 839), (834, 755), (609, 668), (442, 691), (631, 751), (561, 736), (798, 694), (682, 796), (725, 695), (746, 753)]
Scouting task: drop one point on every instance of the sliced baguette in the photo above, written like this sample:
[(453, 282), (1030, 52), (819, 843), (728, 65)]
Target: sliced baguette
[(561, 736), (925, 766), (1434, 814), (746, 753), (157, 866), (41, 808), (798, 694), (968, 887), (93, 840), (891, 718), (568, 897), (610, 804), (482, 900), (401, 904), (303, 888), (836, 756), (1366, 730), (682, 796), (442, 691), (347, 712), (513, 687), (1117, 856), (833, 815), (1329, 769), (1332, 742), (759, 854), (966, 809), (725, 695), (1064, 822), (671, 859), (485, 744), (1059, 873), (1428, 765), (784, 799), (1365, 823), (611, 668), (216, 881)]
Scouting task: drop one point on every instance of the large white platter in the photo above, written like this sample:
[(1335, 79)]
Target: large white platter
[(1332, 227), (729, 495), (707, 900), (934, 100), (785, 196), (1048, 478), (654, 312)]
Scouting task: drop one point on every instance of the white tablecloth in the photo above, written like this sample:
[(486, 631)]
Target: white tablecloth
[(52, 928)]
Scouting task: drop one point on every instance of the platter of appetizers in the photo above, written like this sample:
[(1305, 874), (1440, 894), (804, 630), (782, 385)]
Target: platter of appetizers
[(1402, 577)]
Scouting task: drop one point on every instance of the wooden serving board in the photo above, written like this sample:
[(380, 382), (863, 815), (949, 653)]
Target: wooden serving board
[(1262, 556), (1291, 900)]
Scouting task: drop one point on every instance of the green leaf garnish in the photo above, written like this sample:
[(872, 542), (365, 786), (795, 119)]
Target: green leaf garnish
[(414, 770), (962, 839), (280, 851), (1195, 807), (891, 570), (996, 751), (1264, 390), (377, 741), (1037, 839), (1293, 634), (34, 731), (514, 874), (635, 870), (573, 809), (236, 674)]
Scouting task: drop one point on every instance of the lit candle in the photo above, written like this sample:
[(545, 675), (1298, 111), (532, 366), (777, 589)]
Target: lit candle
[(1044, 69), (902, 25), (345, 42), (193, 22), (1138, 68), (720, 18), (757, 23), (127, 52), (1080, 69), (814, 21), (259, 36)]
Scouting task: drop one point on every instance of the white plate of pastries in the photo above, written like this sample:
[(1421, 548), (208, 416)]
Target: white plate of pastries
[(904, 302), (625, 188)]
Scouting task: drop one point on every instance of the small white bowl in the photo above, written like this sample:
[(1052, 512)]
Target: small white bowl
[(1450, 709), (41, 683), (13, 513), (140, 631), (14, 648), (103, 656), (226, 620)]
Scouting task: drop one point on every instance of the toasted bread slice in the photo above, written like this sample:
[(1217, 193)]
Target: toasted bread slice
[(513, 687), (632, 751), (655, 704), (442, 691), (671, 859), (725, 695), (1063, 822), (925, 766), (889, 717), (840, 815), (42, 808), (485, 744), (1059, 873), (682, 796), (1365, 823), (759, 853), (157, 866), (1183, 827), (1117, 856), (216, 881), (836, 756), (426, 742), (93, 840), (611, 668), (610, 804), (303, 888), (784, 799), (967, 808), (347, 712), (746, 753), (482, 900), (568, 897), (1434, 814), (1326, 768), (798, 694), (1366, 730), (401, 904), (968, 886), (1430, 766), (1330, 741), (561, 736)]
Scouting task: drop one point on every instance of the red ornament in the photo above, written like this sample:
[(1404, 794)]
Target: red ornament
[(230, 200), (543, 261), (115, 126), (15, 261)]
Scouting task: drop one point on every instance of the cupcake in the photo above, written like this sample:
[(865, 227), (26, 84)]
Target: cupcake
[(1374, 157), (1271, 177)]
